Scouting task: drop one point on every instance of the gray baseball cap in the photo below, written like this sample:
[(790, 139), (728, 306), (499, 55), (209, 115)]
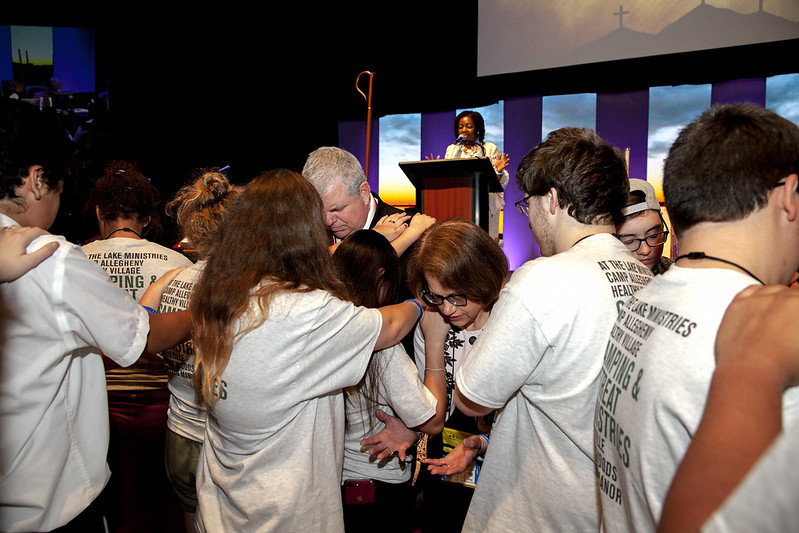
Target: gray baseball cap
[(650, 198)]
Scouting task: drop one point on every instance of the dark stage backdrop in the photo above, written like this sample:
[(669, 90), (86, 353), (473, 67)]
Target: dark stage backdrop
[(196, 85)]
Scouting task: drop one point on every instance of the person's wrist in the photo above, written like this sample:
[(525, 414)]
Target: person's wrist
[(421, 310)]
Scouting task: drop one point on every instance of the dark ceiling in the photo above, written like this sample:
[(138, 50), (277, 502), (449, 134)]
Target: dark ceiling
[(259, 85)]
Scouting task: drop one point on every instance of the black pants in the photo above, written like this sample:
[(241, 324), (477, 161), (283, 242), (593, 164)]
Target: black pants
[(391, 511), (91, 520)]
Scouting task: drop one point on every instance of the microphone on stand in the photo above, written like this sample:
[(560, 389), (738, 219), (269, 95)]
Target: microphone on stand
[(460, 140)]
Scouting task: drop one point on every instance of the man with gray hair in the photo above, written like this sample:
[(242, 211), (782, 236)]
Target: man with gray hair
[(349, 203)]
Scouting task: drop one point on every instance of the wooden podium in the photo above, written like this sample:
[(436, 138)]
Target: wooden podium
[(453, 188)]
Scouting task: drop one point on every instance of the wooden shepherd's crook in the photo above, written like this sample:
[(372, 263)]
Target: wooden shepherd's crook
[(368, 115)]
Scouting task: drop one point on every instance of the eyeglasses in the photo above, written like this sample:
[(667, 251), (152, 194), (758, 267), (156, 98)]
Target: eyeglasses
[(432, 298), (654, 240), (523, 206)]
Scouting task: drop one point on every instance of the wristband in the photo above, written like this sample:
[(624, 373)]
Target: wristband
[(484, 437), (150, 310), (418, 304)]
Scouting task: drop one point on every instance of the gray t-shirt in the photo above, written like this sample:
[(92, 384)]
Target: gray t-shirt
[(400, 393), (538, 359), (656, 376), (134, 264), (274, 441)]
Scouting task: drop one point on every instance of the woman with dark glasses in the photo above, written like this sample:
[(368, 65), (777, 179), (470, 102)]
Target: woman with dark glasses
[(456, 269), (643, 231)]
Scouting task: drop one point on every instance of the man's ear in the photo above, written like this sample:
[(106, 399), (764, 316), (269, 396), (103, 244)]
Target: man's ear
[(553, 200), (365, 191), (788, 197), (34, 182)]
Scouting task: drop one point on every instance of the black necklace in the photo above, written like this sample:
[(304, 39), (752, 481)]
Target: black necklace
[(582, 239), (124, 229), (703, 255)]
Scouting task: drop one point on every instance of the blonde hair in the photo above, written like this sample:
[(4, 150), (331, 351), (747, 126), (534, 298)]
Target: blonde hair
[(200, 206)]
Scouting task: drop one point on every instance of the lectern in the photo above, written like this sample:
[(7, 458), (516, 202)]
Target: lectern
[(453, 188)]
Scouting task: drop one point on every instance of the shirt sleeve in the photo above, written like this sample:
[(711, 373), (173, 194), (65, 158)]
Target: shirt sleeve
[(90, 310), (401, 388), (505, 355)]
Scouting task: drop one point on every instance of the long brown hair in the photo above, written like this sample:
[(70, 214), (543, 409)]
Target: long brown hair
[(371, 271), (272, 240)]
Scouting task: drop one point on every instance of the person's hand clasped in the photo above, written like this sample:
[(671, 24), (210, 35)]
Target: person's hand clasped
[(459, 459), (392, 226), (14, 259)]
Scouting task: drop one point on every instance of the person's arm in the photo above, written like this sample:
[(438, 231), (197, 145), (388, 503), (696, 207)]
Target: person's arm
[(167, 330), (757, 351), (435, 330), (14, 259), (398, 319), (152, 294), (467, 406)]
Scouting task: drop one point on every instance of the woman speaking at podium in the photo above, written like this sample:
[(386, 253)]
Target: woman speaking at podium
[(470, 142)]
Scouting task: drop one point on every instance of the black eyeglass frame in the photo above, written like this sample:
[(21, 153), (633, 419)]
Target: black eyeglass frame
[(665, 233), (432, 298), (523, 206)]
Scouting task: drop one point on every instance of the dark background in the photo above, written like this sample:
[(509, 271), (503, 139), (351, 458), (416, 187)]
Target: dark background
[(258, 85)]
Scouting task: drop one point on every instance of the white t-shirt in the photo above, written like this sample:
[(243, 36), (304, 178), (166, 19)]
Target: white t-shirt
[(274, 442), (765, 501), (53, 401), (657, 371), (538, 359), (186, 415), (400, 394), (133, 264)]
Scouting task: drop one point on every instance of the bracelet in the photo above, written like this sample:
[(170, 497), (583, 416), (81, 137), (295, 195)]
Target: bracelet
[(484, 437), (435, 369), (418, 305), (150, 310)]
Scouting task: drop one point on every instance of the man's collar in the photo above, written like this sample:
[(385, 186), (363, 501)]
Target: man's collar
[(372, 211)]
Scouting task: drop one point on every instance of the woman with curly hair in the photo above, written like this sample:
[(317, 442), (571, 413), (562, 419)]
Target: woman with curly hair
[(126, 204)]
